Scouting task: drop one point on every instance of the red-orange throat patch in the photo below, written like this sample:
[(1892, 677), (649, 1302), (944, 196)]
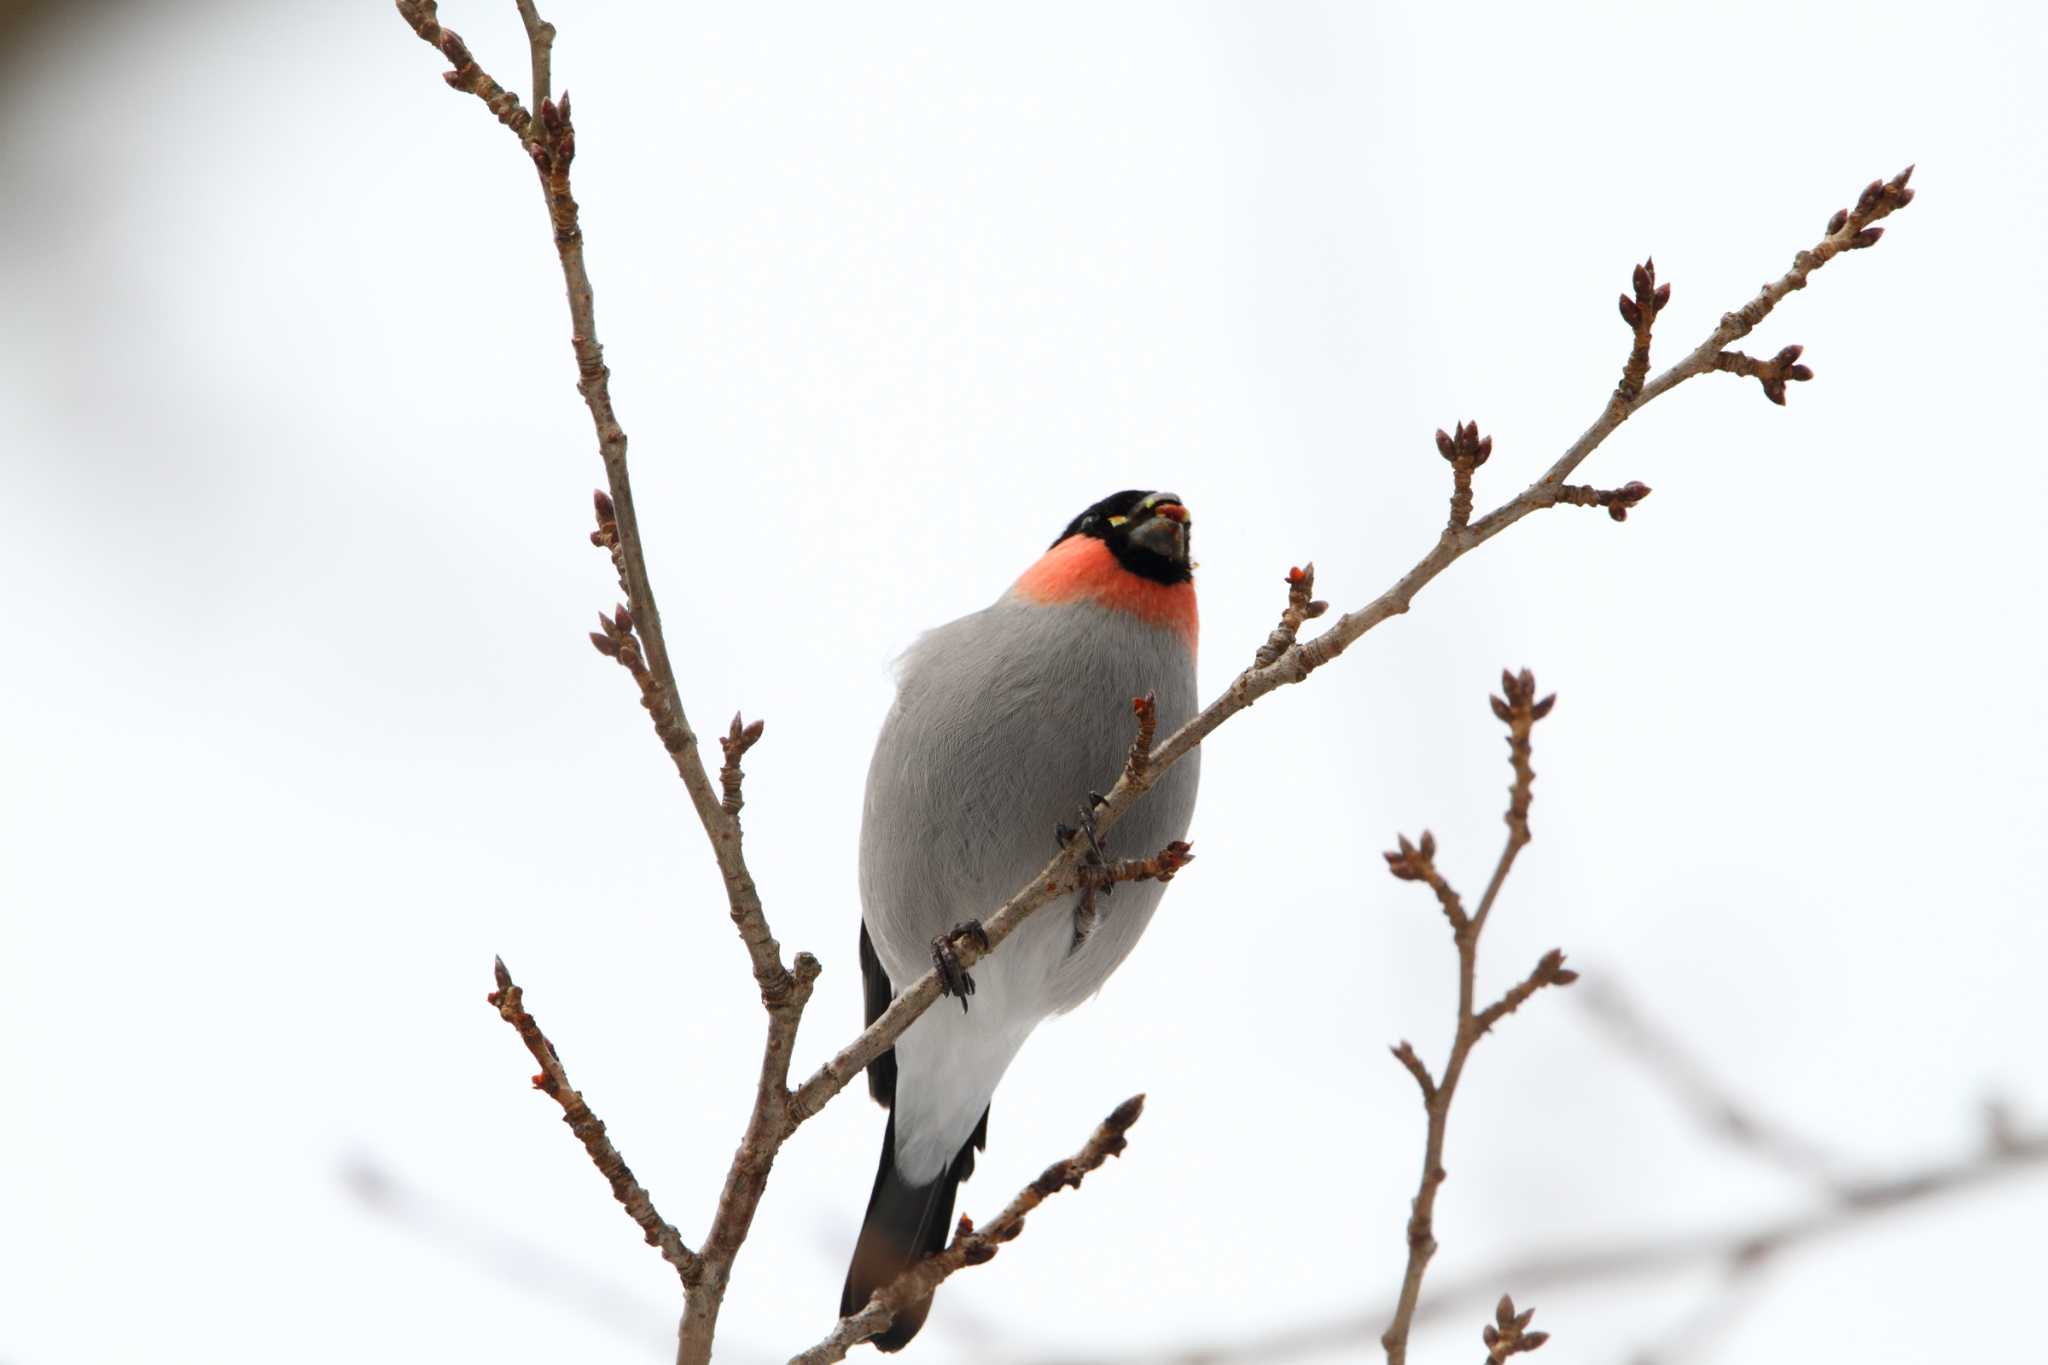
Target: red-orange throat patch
[(1083, 569)]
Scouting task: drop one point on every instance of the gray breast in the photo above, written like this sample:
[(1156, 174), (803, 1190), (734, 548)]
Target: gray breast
[(1004, 720)]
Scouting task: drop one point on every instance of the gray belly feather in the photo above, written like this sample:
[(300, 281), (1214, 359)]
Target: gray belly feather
[(1003, 722)]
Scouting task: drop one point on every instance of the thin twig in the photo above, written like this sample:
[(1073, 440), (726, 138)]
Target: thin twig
[(971, 1246), (540, 43), (553, 1082), (1520, 709)]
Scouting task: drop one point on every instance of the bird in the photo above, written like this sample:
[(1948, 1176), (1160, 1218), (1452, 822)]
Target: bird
[(1004, 725)]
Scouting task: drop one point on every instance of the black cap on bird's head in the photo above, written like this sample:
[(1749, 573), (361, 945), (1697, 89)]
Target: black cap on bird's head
[(1147, 532)]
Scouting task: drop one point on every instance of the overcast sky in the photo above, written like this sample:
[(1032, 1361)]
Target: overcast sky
[(298, 725)]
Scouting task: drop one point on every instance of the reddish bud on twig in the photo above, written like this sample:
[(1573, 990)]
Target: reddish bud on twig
[(1617, 501), (1466, 449), (1880, 198), (1410, 862), (1301, 586), (1773, 374), (1466, 444)]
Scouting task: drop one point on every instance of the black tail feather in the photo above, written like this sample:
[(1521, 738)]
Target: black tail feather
[(904, 1223)]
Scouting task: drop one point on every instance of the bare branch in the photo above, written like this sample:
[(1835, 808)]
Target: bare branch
[(1416, 862), (540, 43), (1404, 1053), (972, 1247), (553, 1082)]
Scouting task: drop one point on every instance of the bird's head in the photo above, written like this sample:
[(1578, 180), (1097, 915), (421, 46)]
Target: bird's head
[(1128, 552), (1146, 532)]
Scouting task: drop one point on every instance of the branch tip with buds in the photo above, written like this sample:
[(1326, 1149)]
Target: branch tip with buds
[(739, 738), (1466, 450), (1301, 607), (1508, 1334)]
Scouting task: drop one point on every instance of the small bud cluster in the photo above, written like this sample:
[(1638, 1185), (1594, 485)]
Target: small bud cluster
[(555, 146), (737, 739), (1640, 313), (1508, 1334), (614, 638), (1617, 501), (1880, 199), (1466, 449), (1466, 445), (1412, 862), (1773, 374), (1520, 708)]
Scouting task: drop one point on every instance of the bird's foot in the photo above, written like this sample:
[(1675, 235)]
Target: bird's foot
[(1093, 869), (1097, 855), (953, 978)]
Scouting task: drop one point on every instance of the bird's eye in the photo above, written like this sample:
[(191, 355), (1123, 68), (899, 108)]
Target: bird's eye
[(1118, 521)]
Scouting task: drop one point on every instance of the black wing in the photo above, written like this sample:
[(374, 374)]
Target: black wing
[(882, 1070)]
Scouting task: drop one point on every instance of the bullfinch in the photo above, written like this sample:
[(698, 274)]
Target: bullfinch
[(1003, 722)]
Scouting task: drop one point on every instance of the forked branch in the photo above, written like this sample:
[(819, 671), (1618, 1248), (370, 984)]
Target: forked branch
[(1416, 862)]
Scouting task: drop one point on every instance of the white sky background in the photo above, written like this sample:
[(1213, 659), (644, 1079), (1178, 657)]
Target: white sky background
[(300, 726)]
